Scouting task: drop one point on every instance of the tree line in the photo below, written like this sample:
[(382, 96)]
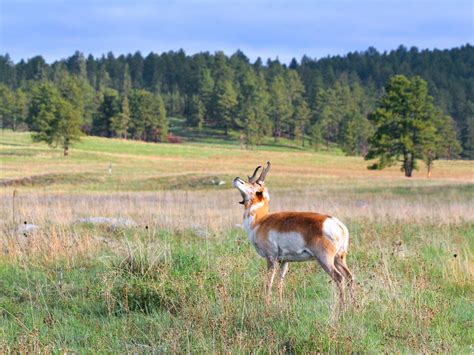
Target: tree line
[(322, 102)]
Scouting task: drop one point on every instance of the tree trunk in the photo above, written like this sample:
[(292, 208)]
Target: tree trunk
[(302, 135), (429, 164), (408, 172), (408, 164), (66, 147)]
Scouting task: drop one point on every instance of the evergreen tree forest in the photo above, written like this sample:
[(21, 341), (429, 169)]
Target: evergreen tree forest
[(323, 102)]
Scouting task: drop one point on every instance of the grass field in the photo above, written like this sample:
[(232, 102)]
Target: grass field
[(184, 278)]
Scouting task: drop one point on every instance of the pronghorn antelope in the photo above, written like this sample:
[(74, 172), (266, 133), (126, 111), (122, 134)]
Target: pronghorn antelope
[(282, 237)]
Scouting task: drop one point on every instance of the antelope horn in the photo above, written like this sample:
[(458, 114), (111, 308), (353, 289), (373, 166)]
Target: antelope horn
[(264, 173), (252, 178)]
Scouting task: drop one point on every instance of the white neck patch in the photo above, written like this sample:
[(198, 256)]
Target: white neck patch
[(248, 221), (266, 195), (255, 207)]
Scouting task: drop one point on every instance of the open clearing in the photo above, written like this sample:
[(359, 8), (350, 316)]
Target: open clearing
[(185, 278)]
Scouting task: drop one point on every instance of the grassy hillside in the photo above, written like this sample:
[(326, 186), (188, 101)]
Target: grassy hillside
[(149, 167), (185, 278)]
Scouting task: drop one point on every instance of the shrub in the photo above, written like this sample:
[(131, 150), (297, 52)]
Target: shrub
[(174, 139)]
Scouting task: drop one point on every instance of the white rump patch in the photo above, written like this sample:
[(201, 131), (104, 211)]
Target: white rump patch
[(336, 232), (331, 230)]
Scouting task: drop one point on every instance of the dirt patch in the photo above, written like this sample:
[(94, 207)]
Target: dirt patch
[(50, 179)]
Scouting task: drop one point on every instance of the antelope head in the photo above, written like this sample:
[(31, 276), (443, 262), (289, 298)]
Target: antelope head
[(253, 192)]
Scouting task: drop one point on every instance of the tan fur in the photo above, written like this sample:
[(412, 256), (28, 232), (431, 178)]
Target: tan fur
[(308, 224)]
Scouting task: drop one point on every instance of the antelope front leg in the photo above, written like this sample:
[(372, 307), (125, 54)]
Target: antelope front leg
[(283, 270), (270, 276)]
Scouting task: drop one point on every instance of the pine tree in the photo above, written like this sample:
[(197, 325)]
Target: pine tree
[(301, 118), (246, 92), (196, 113), (87, 100), (221, 68), (36, 69), (91, 70), (126, 81), (138, 113), (328, 115), (467, 130), (76, 65), (205, 92), (148, 116), (249, 108), (261, 108), (69, 127), (20, 109), (445, 143), (405, 125), (135, 64), (120, 122), (280, 104), (53, 118), (161, 119), (109, 108), (316, 135), (355, 133), (250, 126), (224, 105), (8, 72), (296, 92), (174, 104), (7, 103), (103, 80), (70, 89)]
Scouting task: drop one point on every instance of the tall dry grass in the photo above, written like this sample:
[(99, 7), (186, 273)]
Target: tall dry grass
[(219, 210), (207, 213)]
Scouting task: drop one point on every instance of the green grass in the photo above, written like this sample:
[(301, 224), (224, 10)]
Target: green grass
[(186, 279), (180, 292), (216, 137), (147, 166)]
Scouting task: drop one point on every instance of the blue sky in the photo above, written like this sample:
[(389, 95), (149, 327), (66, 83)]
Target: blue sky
[(55, 29)]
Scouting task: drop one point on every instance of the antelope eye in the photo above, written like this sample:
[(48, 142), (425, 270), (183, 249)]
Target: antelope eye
[(259, 193)]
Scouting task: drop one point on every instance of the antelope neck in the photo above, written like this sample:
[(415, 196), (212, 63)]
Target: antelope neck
[(256, 212)]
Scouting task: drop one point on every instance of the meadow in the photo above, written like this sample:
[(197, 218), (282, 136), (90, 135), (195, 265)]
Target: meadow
[(182, 276)]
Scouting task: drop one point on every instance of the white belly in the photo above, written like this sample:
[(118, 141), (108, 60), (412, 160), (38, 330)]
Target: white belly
[(288, 246)]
